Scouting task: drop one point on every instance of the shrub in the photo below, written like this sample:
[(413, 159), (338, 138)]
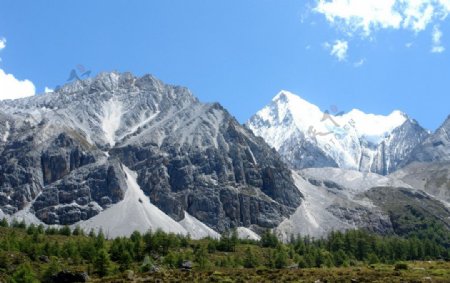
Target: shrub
[(401, 266)]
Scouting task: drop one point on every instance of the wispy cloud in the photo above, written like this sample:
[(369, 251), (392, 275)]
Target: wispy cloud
[(354, 15), (370, 15), (2, 43), (436, 37), (338, 49)]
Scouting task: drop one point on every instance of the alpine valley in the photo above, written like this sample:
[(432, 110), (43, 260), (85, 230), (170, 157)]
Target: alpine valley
[(123, 153)]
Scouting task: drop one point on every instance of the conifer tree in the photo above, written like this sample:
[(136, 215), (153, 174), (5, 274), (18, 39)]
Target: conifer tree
[(102, 263), (24, 274), (250, 260)]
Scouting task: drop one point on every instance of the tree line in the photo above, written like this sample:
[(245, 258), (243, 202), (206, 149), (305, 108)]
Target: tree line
[(59, 248)]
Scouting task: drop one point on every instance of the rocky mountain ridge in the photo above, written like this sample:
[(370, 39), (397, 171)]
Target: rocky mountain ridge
[(123, 153), (64, 152)]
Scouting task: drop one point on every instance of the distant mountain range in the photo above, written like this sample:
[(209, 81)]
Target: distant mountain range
[(123, 153)]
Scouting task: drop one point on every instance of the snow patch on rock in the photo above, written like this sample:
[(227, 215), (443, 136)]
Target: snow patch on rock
[(112, 114), (6, 134)]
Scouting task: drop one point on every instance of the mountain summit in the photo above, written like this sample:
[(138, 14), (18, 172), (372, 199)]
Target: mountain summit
[(307, 137), (71, 156)]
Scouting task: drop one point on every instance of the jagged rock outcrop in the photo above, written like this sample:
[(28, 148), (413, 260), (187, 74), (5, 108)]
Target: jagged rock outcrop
[(397, 147), (435, 148), (82, 194), (63, 156)]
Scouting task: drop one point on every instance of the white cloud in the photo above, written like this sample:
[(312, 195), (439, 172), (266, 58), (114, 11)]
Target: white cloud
[(12, 88), (367, 16), (409, 44), (47, 89), (2, 43), (417, 14), (338, 49), (354, 15), (436, 38)]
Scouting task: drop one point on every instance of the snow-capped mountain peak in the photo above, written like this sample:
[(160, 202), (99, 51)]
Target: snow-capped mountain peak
[(301, 131), (374, 128), (302, 111)]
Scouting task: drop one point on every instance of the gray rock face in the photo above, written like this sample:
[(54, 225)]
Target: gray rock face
[(222, 176), (62, 152), (431, 177), (63, 156), (81, 194), (20, 174), (339, 199), (397, 147), (435, 148), (375, 220), (301, 153)]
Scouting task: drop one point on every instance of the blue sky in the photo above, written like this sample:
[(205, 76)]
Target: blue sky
[(375, 55)]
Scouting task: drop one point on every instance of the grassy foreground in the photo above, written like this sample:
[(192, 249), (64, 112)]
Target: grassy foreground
[(417, 272)]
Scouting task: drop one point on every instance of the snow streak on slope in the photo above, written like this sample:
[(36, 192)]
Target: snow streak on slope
[(142, 123), (112, 113), (196, 228), (133, 213), (6, 134)]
